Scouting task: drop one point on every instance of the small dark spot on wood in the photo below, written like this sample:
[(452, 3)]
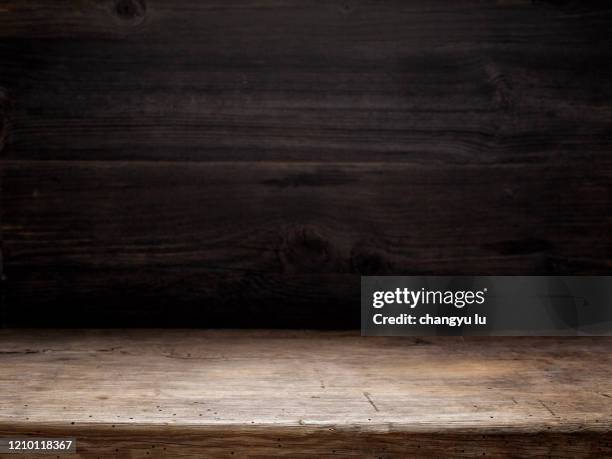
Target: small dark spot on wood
[(306, 249), (130, 10), (111, 349), (345, 8)]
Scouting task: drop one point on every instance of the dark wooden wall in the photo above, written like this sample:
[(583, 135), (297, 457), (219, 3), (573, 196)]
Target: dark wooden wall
[(242, 162)]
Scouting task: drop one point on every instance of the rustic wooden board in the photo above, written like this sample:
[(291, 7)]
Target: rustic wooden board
[(203, 161), (255, 244), (454, 81), (235, 393)]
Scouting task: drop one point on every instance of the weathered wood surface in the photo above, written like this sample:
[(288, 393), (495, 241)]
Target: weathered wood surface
[(238, 393), (261, 244), (201, 159), (452, 81)]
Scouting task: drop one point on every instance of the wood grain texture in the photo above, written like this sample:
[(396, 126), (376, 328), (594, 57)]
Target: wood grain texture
[(460, 81), (203, 161), (302, 394), (246, 244)]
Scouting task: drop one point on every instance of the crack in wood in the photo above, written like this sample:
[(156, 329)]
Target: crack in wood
[(548, 408), (369, 399)]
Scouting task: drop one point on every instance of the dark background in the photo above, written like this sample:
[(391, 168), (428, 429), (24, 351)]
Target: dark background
[(242, 162)]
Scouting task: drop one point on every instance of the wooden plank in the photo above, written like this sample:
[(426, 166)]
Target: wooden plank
[(305, 394), (256, 244), (459, 82), (501, 103)]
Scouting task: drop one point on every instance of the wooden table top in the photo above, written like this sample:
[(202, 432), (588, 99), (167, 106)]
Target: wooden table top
[(135, 382)]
